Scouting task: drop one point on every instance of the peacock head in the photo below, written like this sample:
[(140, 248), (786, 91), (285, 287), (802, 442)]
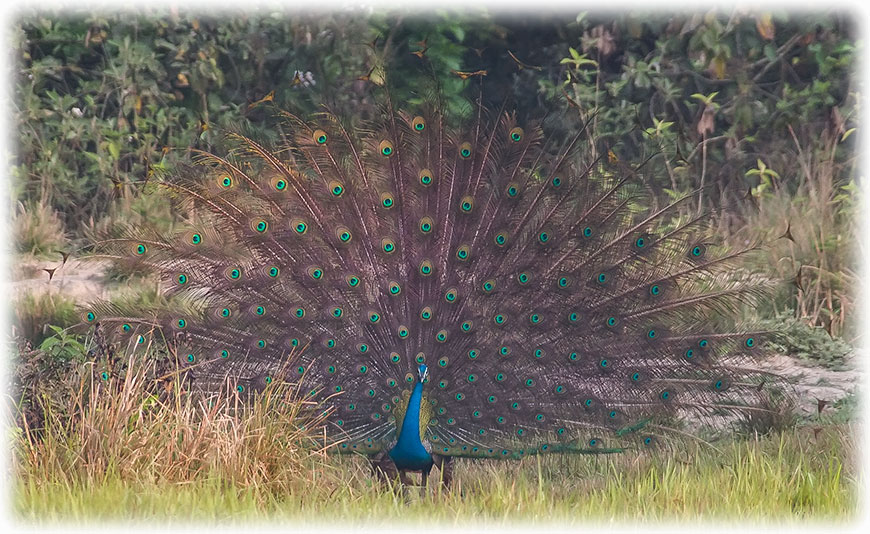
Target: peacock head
[(422, 372)]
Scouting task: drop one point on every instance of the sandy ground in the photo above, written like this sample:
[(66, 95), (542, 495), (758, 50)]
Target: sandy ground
[(79, 280), (83, 282)]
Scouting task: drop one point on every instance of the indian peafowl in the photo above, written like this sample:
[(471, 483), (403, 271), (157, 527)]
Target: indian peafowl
[(475, 291)]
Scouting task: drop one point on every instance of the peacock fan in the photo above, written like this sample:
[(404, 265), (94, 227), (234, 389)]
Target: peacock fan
[(469, 291)]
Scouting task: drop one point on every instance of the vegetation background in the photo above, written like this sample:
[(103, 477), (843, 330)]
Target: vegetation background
[(759, 107)]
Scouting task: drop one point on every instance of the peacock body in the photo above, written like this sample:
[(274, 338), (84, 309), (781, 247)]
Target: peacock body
[(474, 291)]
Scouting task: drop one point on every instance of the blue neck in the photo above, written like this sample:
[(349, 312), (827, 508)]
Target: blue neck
[(409, 452), (411, 423)]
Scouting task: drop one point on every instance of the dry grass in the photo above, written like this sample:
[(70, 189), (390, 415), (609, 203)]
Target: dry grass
[(37, 229), (820, 212), (124, 450), (127, 429)]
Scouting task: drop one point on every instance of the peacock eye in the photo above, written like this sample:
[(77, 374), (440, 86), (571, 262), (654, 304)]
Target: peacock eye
[(465, 150), (418, 123), (385, 148), (319, 137)]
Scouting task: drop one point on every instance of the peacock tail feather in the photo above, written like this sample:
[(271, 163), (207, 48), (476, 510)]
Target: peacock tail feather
[(553, 311)]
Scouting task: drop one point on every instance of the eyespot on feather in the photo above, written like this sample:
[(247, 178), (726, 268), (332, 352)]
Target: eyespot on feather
[(465, 150), (385, 148), (319, 137)]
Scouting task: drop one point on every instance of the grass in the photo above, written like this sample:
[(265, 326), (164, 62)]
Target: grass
[(784, 477), (38, 230), (122, 449)]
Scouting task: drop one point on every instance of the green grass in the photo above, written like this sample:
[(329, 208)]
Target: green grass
[(789, 476), (129, 448)]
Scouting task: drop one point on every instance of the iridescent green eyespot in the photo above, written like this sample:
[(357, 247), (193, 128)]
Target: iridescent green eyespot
[(385, 148), (319, 137), (465, 150), (466, 204)]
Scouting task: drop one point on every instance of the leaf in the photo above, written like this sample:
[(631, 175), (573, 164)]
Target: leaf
[(114, 149), (48, 343), (717, 66), (847, 133), (764, 25)]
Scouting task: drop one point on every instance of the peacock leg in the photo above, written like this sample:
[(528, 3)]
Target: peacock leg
[(383, 467), (445, 464)]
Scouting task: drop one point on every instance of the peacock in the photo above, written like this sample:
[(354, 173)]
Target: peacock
[(448, 288)]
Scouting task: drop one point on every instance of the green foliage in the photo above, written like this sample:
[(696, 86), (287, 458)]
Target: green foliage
[(847, 409), (103, 100), (63, 346), (730, 83), (36, 315), (814, 344)]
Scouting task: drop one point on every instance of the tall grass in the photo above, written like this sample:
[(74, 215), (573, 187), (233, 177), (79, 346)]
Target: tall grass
[(123, 449), (135, 428), (37, 229), (819, 208)]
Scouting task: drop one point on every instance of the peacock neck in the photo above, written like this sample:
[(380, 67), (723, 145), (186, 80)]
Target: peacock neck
[(409, 452), (411, 423)]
